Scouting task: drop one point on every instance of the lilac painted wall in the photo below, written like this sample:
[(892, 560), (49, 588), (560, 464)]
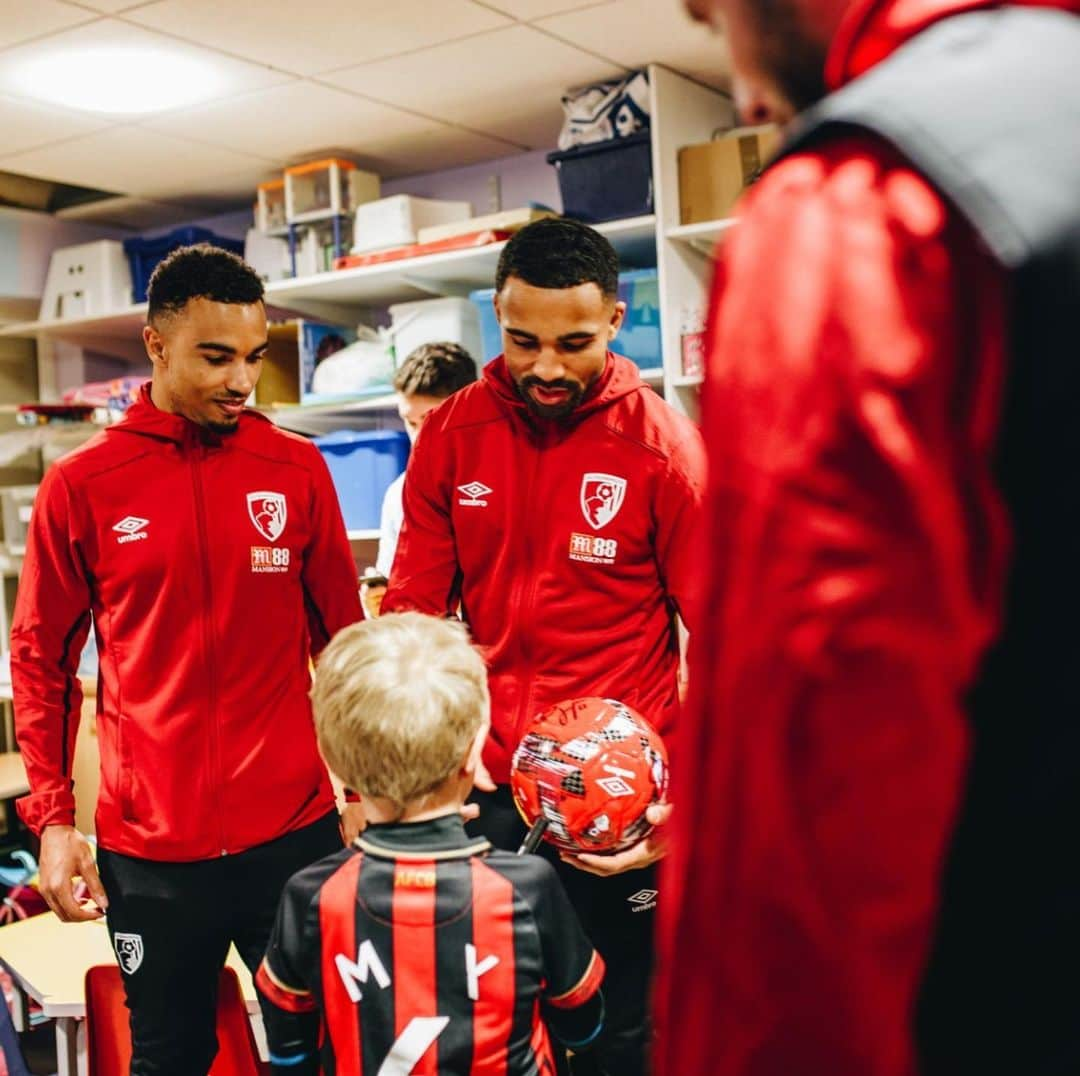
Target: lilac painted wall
[(27, 239), (523, 178)]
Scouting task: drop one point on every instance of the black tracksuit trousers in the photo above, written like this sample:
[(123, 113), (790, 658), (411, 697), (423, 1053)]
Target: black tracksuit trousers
[(171, 925)]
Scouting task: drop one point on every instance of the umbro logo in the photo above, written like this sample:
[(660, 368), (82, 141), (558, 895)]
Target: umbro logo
[(132, 529), (474, 492), (643, 900)]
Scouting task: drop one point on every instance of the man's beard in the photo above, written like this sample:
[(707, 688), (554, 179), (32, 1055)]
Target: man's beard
[(223, 428), (574, 396), (794, 59)]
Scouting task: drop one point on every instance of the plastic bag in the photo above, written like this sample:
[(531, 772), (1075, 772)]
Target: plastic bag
[(605, 110)]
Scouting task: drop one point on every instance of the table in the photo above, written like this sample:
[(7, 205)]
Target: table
[(49, 960)]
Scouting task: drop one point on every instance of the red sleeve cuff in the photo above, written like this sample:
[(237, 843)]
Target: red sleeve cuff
[(586, 987), (352, 797), (41, 809)]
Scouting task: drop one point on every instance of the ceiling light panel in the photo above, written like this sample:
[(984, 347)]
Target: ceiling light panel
[(112, 68)]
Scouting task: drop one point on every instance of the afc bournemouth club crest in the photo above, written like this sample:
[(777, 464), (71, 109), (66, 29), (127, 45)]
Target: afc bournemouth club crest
[(601, 498), (268, 512), (129, 952)]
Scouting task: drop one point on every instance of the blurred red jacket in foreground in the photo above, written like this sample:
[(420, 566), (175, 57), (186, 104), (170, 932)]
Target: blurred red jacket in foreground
[(856, 560)]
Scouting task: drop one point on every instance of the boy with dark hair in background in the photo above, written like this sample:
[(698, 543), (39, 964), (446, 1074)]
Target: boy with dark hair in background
[(428, 375)]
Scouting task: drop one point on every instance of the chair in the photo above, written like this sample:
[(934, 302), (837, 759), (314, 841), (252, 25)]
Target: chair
[(108, 1032)]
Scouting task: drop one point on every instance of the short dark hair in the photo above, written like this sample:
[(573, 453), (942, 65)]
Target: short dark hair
[(201, 272), (559, 253), (438, 369)]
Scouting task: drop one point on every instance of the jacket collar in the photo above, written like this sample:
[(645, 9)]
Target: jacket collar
[(146, 418), (619, 379)]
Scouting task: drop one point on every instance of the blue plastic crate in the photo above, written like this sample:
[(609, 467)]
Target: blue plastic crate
[(490, 333), (145, 253), (639, 338), (362, 465)]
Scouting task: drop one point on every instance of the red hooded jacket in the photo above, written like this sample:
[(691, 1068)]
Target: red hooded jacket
[(568, 544), (857, 550), (213, 567)]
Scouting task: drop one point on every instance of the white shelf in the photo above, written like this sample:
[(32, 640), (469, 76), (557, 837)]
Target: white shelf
[(339, 294), (364, 536), (683, 381), (703, 235), (654, 376), (116, 325)]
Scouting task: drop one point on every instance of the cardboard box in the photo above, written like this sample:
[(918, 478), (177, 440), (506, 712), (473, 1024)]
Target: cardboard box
[(713, 175), (509, 220)]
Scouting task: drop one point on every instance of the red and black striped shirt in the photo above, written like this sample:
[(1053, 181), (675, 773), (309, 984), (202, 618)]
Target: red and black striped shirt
[(422, 950)]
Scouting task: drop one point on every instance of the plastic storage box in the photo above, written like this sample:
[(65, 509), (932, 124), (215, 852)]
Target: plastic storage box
[(330, 188), (639, 338), (362, 465), (270, 207), (606, 180), (430, 321), (144, 254), (86, 280), (397, 220)]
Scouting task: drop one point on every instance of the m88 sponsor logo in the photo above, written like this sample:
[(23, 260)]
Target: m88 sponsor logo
[(269, 559), (592, 549)]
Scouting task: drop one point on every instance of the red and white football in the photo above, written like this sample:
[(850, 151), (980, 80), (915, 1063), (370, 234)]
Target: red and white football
[(591, 767)]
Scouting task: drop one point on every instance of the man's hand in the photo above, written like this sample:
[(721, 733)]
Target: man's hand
[(643, 853), (353, 822), (65, 854)]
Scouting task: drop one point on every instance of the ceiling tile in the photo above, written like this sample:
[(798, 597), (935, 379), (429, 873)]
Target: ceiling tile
[(226, 76), (111, 7), (506, 83), (308, 120), (26, 124), (636, 32), (526, 10), (139, 214), (21, 21), (132, 160), (441, 147), (325, 34)]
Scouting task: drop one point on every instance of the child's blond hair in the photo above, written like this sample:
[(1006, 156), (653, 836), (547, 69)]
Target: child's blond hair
[(398, 701)]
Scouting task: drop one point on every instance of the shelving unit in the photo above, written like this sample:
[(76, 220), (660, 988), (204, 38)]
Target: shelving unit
[(349, 294), (702, 236), (683, 112)]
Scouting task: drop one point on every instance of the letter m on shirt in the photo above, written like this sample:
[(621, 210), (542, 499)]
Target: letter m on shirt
[(355, 974)]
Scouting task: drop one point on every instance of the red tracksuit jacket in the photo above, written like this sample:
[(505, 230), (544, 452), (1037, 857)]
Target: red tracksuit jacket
[(567, 544), (857, 550), (213, 566)]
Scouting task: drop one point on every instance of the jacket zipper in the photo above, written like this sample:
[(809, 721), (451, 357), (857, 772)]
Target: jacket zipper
[(208, 644), (526, 597)]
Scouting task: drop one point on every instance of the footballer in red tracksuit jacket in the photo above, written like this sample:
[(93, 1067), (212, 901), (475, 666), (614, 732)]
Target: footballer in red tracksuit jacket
[(566, 543), (213, 566)]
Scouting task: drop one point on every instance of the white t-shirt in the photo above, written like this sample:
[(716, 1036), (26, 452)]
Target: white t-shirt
[(393, 515)]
